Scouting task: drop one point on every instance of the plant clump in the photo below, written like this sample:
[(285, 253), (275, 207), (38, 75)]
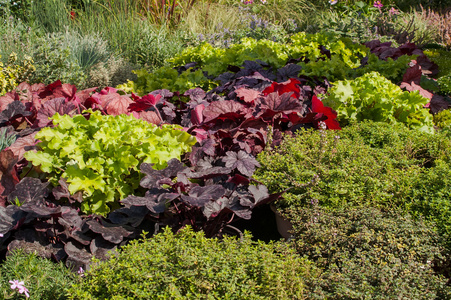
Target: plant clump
[(367, 252), (187, 265)]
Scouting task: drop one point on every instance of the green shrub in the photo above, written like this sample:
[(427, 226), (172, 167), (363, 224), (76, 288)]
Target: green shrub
[(366, 164), (100, 157), (442, 118), (54, 61), (189, 266), (370, 254), (12, 73), (43, 278)]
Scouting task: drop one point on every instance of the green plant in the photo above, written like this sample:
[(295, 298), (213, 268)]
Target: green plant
[(442, 58), (15, 8), (366, 164), (100, 157), (6, 138), (50, 15), (443, 118), (54, 61), (43, 278), (187, 265), (370, 254), (12, 74), (373, 97)]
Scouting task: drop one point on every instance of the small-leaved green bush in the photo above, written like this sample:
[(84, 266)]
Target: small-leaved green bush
[(100, 157), (366, 164), (442, 118), (370, 254), (187, 265), (42, 278)]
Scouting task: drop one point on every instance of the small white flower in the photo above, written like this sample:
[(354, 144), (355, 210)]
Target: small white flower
[(333, 2)]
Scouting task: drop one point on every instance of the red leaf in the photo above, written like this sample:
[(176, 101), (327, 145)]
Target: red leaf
[(218, 108), (247, 95), (196, 114), (18, 147), (318, 107), (149, 116), (284, 87), (9, 177), (144, 103), (115, 104)]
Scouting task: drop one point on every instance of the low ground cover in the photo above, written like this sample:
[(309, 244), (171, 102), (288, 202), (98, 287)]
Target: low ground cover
[(343, 123)]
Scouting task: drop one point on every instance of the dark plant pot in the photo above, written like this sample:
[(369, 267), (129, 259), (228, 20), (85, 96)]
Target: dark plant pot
[(283, 225)]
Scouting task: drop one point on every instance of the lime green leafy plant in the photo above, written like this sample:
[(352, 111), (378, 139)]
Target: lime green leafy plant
[(344, 61), (373, 97), (187, 265), (100, 156)]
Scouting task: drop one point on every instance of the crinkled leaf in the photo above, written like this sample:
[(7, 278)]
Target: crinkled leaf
[(198, 196), (23, 144), (155, 200), (100, 248), (112, 233), (29, 190), (78, 257), (14, 110), (153, 176), (9, 177), (242, 161), (219, 108), (51, 107)]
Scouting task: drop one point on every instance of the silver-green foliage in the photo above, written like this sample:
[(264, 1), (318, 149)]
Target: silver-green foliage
[(6, 138)]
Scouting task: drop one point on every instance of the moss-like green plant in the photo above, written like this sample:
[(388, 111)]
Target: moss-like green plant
[(42, 278), (370, 254), (366, 164), (187, 265), (442, 118)]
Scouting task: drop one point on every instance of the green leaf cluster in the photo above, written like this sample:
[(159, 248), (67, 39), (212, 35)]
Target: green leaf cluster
[(373, 97), (100, 156), (367, 164), (368, 253), (12, 74), (344, 62), (187, 265), (443, 118)]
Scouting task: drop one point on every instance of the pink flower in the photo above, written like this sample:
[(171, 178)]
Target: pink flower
[(393, 11), (378, 4), (16, 284), (1, 234)]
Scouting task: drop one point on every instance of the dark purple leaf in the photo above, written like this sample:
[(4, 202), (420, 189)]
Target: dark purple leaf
[(201, 195), (133, 215), (153, 176), (112, 233), (242, 161), (14, 110), (29, 190), (78, 257), (155, 200), (100, 248)]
